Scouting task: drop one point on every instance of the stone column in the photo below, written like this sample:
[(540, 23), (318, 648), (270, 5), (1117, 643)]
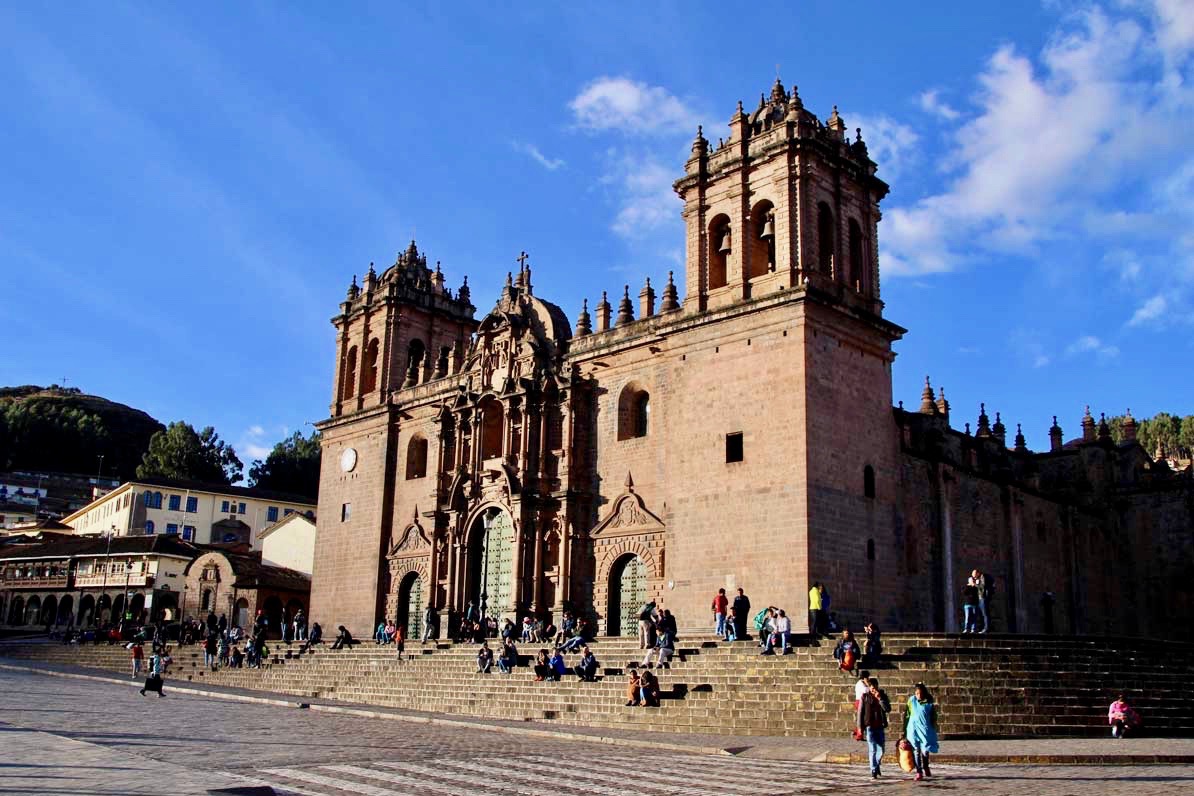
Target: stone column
[(537, 574), (945, 479), (1017, 569)]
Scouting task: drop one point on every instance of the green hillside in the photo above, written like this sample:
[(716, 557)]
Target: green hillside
[(63, 430)]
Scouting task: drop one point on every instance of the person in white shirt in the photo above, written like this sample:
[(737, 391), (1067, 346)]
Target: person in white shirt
[(783, 629)]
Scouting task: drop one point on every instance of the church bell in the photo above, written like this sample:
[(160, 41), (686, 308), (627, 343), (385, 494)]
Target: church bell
[(724, 248), (768, 227)]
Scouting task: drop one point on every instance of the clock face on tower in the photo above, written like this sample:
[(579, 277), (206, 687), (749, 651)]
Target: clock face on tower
[(348, 460)]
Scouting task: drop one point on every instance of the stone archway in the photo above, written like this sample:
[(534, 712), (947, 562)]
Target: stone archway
[(410, 605), (66, 610), (87, 610), (627, 593), (491, 561)]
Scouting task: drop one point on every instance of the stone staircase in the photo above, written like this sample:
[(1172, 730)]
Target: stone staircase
[(986, 686)]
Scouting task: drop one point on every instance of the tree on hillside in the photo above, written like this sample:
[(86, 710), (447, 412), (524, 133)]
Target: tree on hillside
[(1175, 432), (181, 452), (292, 466)]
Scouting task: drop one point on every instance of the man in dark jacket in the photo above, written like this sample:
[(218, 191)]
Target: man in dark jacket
[(741, 614), (872, 720)]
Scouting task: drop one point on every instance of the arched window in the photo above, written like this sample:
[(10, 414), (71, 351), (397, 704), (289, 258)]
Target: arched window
[(491, 429), (868, 481), (350, 374), (762, 239), (826, 239), (415, 352), (634, 412), (157, 500), (149, 527), (147, 499), (369, 368), (857, 270), (416, 457), (720, 246)]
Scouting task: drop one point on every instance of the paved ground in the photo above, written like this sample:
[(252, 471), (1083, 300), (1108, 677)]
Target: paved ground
[(77, 737)]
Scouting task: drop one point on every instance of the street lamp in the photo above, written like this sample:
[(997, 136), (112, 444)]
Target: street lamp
[(107, 555)]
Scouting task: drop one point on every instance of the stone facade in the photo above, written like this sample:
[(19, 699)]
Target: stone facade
[(744, 437)]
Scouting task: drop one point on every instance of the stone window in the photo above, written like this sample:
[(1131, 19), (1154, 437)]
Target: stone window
[(415, 351), (857, 270), (826, 233), (369, 368), (491, 430), (870, 549), (345, 511), (762, 239), (720, 246), (416, 457), (634, 412), (350, 373), (447, 436), (734, 451), (868, 481)]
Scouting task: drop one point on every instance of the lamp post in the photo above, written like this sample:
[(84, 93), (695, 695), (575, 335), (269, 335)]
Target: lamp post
[(107, 555)]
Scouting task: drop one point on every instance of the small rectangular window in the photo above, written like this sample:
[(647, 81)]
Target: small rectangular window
[(188, 532), (241, 509), (271, 514), (734, 447), (224, 507), (288, 512), (171, 527), (175, 502), (192, 505), (345, 512)]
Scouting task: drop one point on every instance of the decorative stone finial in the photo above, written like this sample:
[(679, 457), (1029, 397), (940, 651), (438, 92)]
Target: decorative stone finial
[(670, 301), (699, 145), (928, 406), (999, 431), (1021, 445), (603, 313), (942, 404), (1104, 429), (353, 290), (629, 482), (1055, 436), (1088, 426), (1128, 427), (464, 294), (983, 429), (625, 309), (583, 325)]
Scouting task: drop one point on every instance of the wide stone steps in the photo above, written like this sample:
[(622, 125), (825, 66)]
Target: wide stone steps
[(985, 685)]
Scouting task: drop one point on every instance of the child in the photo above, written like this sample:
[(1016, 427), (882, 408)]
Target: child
[(400, 640), (1122, 717)]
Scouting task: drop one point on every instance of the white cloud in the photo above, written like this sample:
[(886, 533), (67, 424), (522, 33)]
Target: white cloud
[(1150, 311), (1090, 344), (256, 431), (630, 106), (930, 102), (1055, 140), (1027, 343), (647, 201), (551, 164), (889, 143), (257, 451), (1175, 27)]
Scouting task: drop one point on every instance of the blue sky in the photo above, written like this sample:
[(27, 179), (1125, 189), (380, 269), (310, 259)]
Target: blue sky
[(189, 190)]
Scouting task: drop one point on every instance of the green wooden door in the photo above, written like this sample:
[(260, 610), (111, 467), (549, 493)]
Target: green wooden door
[(414, 608), (497, 564), (632, 593)]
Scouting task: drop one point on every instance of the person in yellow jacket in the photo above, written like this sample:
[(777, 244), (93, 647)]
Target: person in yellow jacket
[(815, 623)]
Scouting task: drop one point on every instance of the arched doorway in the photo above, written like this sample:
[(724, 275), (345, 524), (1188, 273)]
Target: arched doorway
[(66, 610), (86, 610), (49, 610), (410, 605), (273, 613), (118, 608), (627, 593), (16, 612), (491, 555), (137, 607), (32, 610), (103, 608)]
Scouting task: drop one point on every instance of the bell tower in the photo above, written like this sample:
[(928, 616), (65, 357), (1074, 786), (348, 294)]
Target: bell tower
[(785, 201)]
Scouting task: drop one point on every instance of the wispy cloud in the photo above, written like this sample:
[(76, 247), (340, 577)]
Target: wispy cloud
[(1090, 344), (1027, 343), (1149, 312), (551, 164), (890, 144), (1017, 169), (931, 102), (632, 107)]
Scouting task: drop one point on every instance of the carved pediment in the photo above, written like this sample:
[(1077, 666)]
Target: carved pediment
[(414, 541), (628, 515)]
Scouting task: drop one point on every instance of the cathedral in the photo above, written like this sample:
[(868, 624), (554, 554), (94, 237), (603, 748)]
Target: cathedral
[(734, 429)]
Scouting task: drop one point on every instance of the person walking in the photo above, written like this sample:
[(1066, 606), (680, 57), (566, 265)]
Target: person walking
[(872, 721), (400, 640), (814, 612), (969, 606), (741, 614), (920, 728), (984, 593), (138, 655), (210, 648), (154, 681), (646, 626), (428, 623), (721, 604)]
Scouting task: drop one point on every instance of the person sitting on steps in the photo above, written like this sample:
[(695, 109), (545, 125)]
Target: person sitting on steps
[(634, 695), (542, 666), (484, 658), (649, 689), (509, 657), (343, 640), (586, 670), (846, 653)]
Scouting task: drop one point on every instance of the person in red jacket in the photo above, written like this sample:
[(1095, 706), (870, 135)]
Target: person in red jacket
[(720, 604)]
